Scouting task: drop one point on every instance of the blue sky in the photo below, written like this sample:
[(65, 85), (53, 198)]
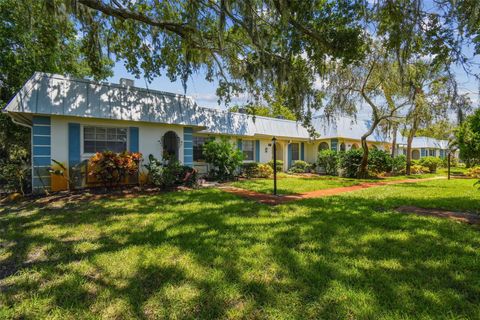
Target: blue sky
[(204, 92)]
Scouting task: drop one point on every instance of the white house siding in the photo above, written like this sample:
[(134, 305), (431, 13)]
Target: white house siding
[(266, 149), (150, 135), (311, 151)]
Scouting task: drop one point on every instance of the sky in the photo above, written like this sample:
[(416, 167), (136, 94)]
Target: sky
[(204, 92)]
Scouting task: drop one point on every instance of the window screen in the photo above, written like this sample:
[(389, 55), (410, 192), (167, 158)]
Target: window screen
[(198, 143), (248, 150), (99, 139), (295, 152)]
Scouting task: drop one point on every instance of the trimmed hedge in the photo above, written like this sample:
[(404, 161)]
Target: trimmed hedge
[(300, 166), (328, 160)]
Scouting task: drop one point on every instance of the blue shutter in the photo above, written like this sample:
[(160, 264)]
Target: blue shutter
[(188, 147), (257, 150), (289, 155), (41, 153), (239, 144), (302, 151), (333, 144), (442, 154), (74, 152), (134, 139), (73, 144), (423, 152)]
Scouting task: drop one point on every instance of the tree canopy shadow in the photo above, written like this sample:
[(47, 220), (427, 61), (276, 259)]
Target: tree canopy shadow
[(209, 254)]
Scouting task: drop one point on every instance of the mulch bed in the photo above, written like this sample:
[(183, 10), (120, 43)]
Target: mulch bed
[(87, 194), (469, 218)]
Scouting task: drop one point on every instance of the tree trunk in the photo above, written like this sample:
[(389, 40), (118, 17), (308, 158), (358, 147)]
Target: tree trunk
[(411, 135), (394, 141), (363, 168)]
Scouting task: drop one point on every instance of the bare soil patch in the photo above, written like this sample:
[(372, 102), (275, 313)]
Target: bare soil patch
[(469, 218)]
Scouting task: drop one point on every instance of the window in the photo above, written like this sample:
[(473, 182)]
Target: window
[(99, 139), (323, 146), (198, 143), (342, 147), (295, 152), (248, 148), (415, 154), (431, 152), (170, 145)]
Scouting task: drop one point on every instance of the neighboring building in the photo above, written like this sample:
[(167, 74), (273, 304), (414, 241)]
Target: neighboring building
[(423, 147), (71, 119)]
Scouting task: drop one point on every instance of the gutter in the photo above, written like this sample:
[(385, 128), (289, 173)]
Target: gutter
[(16, 121)]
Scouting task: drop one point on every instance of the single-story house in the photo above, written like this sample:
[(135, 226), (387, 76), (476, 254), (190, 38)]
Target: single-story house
[(72, 119)]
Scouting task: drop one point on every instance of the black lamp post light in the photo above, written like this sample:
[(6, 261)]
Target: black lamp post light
[(274, 141)]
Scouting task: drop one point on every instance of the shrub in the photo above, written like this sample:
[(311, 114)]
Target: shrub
[(14, 176), (224, 159), (256, 170), (418, 169), (415, 162), (432, 163), (349, 162), (474, 172), (188, 177), (155, 169), (399, 164), (250, 169), (379, 161), (170, 174), (300, 166), (112, 168), (279, 165), (264, 171), (453, 162), (328, 160)]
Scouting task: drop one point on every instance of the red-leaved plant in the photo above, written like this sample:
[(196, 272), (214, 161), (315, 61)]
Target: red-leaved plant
[(111, 168)]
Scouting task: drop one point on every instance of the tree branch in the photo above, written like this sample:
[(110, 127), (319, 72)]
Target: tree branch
[(179, 28)]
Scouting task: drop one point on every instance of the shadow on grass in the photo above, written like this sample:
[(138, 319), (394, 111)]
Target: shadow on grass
[(208, 254)]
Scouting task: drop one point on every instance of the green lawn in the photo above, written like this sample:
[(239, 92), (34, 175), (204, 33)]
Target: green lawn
[(291, 184), (209, 254)]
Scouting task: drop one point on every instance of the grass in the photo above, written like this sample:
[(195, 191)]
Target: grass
[(291, 184), (295, 184), (208, 254)]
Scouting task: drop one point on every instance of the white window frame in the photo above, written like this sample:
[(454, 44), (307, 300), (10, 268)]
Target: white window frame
[(253, 144), (87, 155)]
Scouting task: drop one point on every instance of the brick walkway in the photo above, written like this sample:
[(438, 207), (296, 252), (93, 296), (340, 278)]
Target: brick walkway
[(274, 200)]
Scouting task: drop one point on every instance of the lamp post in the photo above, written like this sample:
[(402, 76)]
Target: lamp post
[(274, 141), (451, 148), (449, 159)]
